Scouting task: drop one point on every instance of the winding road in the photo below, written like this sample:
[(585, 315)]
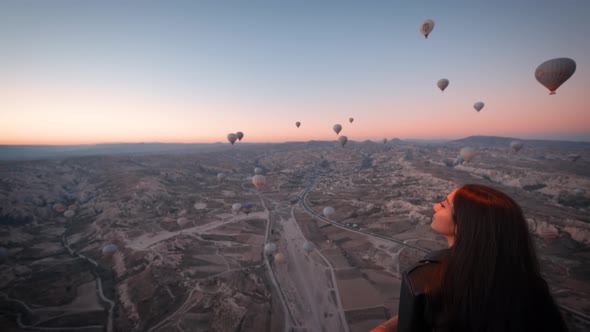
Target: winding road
[(74, 253)]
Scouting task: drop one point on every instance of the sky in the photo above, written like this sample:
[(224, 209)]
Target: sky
[(85, 72)]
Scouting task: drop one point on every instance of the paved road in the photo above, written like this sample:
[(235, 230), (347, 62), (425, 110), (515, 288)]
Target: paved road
[(74, 253)]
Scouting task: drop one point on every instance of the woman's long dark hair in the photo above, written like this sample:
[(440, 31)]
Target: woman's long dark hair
[(491, 276)]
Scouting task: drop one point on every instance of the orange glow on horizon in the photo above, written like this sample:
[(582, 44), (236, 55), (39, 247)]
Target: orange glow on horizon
[(54, 115)]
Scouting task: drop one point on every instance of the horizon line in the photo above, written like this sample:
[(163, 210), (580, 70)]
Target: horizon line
[(283, 142)]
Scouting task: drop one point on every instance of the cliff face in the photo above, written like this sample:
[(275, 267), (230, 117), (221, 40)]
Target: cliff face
[(207, 273)]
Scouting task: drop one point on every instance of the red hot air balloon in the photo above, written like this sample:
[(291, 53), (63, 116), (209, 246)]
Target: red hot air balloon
[(259, 181)]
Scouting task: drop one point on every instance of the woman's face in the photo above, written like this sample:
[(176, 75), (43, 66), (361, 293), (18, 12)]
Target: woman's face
[(442, 220)]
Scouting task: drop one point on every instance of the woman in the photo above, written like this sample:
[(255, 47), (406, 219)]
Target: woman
[(488, 279)]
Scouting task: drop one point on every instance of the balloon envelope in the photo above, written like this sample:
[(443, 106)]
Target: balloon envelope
[(258, 181), (247, 208), (297, 124), (58, 207), (516, 145), (467, 154), (350, 120), (442, 84), (343, 140), (328, 211), (109, 249), (337, 128), (270, 248), (182, 221), (232, 138), (478, 106), (548, 232), (258, 170), (426, 27), (240, 135), (235, 208), (553, 73), (308, 246), (280, 258), (221, 176)]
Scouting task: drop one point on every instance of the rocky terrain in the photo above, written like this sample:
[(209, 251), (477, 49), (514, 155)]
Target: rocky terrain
[(184, 261)]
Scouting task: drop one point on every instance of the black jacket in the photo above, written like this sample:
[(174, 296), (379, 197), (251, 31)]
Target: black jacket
[(416, 314)]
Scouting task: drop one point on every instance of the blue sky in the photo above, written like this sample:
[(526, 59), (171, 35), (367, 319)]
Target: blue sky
[(254, 64)]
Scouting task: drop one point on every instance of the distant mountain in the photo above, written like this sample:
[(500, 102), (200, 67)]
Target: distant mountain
[(27, 152), (422, 141), (319, 143), (483, 141)]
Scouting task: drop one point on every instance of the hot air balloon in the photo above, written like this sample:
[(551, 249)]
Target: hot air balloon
[(240, 135), (384, 140), (328, 211), (182, 221), (258, 181), (109, 250), (235, 208), (548, 232), (308, 246), (350, 120), (270, 248), (221, 177), (297, 124), (573, 157), (442, 84), (467, 153), (232, 138), (478, 106), (343, 140), (516, 145), (58, 207), (258, 170), (553, 73), (247, 208), (280, 258), (69, 213), (426, 27), (337, 128)]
